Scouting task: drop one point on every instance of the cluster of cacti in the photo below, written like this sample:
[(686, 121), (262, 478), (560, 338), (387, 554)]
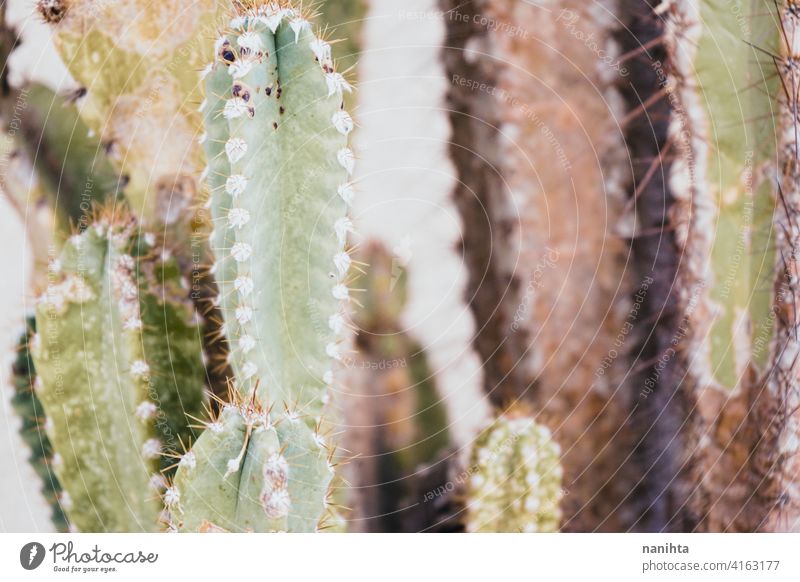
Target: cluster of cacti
[(212, 340), (662, 354)]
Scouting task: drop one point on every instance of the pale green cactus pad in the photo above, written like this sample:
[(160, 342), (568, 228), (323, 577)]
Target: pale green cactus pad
[(278, 167), (113, 383), (514, 482)]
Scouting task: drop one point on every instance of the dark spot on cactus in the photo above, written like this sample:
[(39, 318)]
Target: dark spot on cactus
[(52, 11), (251, 112), (268, 91), (274, 125), (282, 110), (242, 91), (108, 146), (226, 53), (280, 90)]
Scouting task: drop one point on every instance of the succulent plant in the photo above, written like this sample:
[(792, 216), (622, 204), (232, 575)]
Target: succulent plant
[(135, 61), (29, 409), (279, 166), (118, 365), (514, 478), (541, 193), (627, 183)]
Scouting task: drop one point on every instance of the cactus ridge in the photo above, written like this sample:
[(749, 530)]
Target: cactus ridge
[(29, 409)]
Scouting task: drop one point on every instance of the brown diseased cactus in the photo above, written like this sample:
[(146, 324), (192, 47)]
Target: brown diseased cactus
[(542, 175)]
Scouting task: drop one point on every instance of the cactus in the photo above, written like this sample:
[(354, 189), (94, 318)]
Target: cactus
[(551, 297), (276, 142), (397, 422), (29, 409), (714, 409), (69, 160), (514, 478), (111, 327), (135, 60)]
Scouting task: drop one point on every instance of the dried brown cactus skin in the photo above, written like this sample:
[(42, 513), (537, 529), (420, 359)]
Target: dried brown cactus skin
[(542, 176)]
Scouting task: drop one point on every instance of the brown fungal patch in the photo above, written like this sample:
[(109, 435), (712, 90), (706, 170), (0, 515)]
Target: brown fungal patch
[(52, 11)]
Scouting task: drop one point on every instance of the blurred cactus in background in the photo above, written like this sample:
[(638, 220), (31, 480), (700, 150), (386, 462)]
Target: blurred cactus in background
[(119, 373), (397, 425), (514, 478)]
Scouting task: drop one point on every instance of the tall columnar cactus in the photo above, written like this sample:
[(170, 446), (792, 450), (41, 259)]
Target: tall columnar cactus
[(118, 369), (722, 364), (514, 478), (542, 175), (276, 142)]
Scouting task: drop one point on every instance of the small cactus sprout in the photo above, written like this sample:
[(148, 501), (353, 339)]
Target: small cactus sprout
[(276, 143), (113, 377), (514, 479)]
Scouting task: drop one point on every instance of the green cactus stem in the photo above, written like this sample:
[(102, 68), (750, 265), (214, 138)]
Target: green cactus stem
[(29, 409), (276, 142), (117, 355), (514, 479), (70, 161)]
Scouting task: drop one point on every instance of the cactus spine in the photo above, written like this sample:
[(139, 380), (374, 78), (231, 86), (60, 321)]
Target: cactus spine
[(276, 142), (109, 331), (514, 478)]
